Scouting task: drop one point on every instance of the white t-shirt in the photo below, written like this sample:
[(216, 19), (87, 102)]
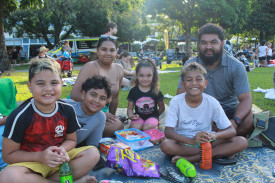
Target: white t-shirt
[(269, 53), (262, 51), (189, 121)]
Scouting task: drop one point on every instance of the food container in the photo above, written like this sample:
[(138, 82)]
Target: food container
[(106, 143), (136, 139), (156, 135)]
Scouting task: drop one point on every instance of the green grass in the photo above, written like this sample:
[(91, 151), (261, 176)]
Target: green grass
[(259, 77)]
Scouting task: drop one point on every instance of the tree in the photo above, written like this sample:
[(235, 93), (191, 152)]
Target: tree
[(131, 20), (195, 13), (262, 18), (84, 18), (48, 22), (8, 6)]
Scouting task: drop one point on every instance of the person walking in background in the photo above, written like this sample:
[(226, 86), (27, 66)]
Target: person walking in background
[(14, 55), (22, 55), (111, 29), (262, 53), (269, 53)]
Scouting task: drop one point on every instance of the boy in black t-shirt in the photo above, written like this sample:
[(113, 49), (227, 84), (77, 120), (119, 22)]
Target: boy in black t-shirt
[(41, 133)]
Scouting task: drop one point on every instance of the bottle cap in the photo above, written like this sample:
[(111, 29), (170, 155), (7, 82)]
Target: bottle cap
[(191, 172)]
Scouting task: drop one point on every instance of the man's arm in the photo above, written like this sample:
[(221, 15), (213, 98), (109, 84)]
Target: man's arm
[(224, 134), (180, 88), (161, 107), (243, 108)]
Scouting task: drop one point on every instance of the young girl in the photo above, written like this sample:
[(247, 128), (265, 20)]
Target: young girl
[(146, 97)]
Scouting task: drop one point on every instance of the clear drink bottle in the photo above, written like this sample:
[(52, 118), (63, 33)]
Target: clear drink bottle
[(65, 173)]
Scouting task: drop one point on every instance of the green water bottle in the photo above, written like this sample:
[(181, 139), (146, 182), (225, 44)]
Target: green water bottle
[(186, 168), (65, 173)]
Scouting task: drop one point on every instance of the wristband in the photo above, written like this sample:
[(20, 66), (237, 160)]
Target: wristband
[(237, 120)]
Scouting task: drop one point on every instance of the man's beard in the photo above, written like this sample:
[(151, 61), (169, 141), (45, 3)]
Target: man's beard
[(211, 60)]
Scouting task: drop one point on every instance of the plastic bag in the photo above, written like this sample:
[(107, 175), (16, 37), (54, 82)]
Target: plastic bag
[(130, 163)]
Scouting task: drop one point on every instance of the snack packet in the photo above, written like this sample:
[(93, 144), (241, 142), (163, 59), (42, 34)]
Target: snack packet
[(130, 163)]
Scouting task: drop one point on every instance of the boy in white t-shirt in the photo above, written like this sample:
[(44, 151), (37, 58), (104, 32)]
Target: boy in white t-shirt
[(189, 119)]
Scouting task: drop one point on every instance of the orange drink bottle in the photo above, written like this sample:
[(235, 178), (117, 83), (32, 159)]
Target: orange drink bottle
[(205, 155)]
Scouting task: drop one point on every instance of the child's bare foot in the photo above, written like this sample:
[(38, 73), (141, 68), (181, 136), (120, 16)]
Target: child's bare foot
[(86, 179), (175, 159)]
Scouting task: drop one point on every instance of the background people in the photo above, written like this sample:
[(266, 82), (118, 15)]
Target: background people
[(262, 51), (42, 52), (22, 55), (14, 55), (269, 53), (129, 74), (111, 29), (66, 47)]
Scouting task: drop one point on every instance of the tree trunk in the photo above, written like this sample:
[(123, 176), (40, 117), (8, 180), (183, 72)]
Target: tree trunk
[(261, 36), (187, 40), (4, 62)]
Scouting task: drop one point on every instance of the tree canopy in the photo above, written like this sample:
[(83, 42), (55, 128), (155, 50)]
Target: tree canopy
[(7, 7), (195, 13)]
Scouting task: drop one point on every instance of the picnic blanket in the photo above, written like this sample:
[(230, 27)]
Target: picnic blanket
[(254, 164)]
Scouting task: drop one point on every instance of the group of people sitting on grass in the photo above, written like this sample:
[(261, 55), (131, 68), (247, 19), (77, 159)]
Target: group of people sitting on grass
[(213, 104)]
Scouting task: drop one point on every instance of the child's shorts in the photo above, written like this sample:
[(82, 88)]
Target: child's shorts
[(45, 170), (152, 121), (198, 144)]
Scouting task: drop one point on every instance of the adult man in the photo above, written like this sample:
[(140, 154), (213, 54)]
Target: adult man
[(227, 78), (22, 55)]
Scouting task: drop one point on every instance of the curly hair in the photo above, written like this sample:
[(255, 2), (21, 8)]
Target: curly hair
[(211, 28), (97, 82)]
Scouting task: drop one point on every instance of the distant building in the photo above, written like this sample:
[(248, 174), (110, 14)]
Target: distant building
[(29, 45)]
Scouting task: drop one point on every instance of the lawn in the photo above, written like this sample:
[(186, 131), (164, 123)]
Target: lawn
[(259, 77)]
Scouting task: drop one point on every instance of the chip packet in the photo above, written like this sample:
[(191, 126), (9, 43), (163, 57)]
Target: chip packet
[(130, 163)]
